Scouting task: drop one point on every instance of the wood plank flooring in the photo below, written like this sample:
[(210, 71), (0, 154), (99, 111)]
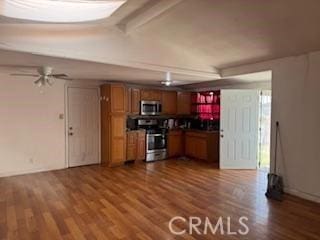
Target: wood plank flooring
[(138, 201)]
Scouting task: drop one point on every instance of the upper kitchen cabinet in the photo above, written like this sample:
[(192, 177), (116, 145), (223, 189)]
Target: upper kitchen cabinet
[(150, 95), (169, 102), (118, 98), (115, 98), (184, 103), (135, 100)]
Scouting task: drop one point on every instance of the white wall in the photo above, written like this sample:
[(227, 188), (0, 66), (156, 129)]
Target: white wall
[(295, 104), (32, 137)]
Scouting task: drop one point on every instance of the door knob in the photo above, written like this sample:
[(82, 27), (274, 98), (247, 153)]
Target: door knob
[(221, 136)]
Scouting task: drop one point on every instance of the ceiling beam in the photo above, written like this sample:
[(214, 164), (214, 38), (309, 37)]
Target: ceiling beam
[(146, 14), (214, 74)]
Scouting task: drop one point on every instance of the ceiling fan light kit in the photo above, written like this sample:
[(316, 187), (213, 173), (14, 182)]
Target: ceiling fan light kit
[(45, 76)]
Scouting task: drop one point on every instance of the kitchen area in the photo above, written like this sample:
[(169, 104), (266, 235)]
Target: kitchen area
[(139, 124)]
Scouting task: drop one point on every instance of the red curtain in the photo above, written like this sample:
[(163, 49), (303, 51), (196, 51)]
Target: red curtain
[(206, 105)]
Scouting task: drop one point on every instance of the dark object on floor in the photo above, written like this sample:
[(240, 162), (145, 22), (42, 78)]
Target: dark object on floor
[(275, 182)]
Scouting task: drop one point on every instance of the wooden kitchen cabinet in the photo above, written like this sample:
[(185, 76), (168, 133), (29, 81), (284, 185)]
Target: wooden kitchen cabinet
[(169, 102), (136, 145), (175, 143), (113, 124), (184, 103), (135, 101), (150, 95), (141, 148), (115, 98), (202, 145)]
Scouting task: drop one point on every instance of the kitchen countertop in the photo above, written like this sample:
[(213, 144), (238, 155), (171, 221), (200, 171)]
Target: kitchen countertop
[(194, 130)]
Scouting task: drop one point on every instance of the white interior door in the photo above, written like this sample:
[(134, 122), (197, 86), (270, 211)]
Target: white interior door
[(239, 129), (83, 126)]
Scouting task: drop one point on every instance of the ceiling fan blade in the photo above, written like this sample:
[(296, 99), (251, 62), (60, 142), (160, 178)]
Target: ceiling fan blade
[(57, 75), (39, 82), (63, 78), (24, 75)]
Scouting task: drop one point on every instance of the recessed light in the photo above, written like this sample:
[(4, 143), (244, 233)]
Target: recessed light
[(59, 11)]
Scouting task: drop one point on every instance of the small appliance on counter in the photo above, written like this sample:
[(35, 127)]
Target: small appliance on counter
[(171, 123), (156, 140)]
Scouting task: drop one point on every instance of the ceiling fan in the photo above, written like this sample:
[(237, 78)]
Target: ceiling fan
[(168, 80), (45, 76)]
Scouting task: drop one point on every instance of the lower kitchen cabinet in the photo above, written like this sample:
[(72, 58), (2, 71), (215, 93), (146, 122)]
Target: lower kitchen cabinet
[(175, 143), (202, 145), (136, 145)]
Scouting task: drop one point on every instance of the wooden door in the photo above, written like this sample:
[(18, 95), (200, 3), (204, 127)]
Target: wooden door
[(150, 95), (83, 126), (201, 148), (135, 101), (169, 102), (141, 145), (118, 98), (129, 98), (184, 103), (175, 144), (190, 146), (132, 138), (118, 139)]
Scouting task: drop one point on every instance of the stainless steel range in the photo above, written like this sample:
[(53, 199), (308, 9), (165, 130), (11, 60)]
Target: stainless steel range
[(156, 141)]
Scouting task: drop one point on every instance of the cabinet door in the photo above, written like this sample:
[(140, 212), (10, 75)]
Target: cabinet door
[(118, 98), (129, 99), (169, 102), (141, 146), (175, 147), (190, 146), (150, 95), (201, 148), (118, 139), (184, 103), (135, 101), (132, 145)]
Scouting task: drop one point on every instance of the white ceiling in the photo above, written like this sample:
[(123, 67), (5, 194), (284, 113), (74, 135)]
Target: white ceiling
[(192, 38), (17, 62)]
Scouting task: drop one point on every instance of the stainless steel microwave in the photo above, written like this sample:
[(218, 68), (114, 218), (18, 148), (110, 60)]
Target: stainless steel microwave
[(150, 108)]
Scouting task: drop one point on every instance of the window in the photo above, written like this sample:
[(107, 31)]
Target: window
[(59, 11)]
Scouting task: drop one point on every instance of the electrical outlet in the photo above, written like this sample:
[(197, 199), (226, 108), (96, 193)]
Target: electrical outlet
[(61, 116)]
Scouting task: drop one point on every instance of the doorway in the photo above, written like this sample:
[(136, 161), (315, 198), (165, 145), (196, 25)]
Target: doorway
[(245, 129), (83, 126), (264, 131)]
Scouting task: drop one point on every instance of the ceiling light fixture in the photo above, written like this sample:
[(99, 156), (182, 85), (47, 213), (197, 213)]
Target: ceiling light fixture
[(59, 11)]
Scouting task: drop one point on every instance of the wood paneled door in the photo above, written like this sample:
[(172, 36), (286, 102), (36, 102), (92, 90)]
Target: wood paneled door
[(169, 102), (184, 103), (135, 101), (113, 124), (175, 143), (150, 95)]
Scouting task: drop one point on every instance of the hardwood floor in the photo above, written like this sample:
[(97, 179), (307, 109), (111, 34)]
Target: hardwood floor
[(138, 201)]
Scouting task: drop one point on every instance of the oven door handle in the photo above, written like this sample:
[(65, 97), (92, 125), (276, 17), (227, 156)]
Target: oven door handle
[(155, 135)]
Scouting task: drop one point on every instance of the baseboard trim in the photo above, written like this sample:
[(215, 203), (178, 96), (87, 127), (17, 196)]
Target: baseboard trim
[(29, 171), (303, 195)]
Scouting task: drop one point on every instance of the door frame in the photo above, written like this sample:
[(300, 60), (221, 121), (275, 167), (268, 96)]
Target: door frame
[(66, 108)]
